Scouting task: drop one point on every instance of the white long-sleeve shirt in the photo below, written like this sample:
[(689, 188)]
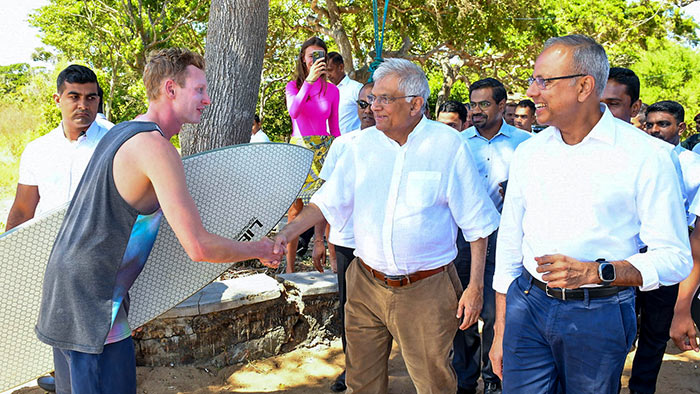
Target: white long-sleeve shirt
[(591, 200), (407, 201)]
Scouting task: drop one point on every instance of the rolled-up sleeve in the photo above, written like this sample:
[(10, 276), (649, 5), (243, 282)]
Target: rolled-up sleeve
[(469, 203), (509, 244), (663, 225)]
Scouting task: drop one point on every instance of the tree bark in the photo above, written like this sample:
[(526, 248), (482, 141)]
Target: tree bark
[(234, 52)]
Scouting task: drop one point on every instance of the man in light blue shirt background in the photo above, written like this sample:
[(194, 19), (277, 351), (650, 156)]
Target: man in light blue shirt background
[(492, 142)]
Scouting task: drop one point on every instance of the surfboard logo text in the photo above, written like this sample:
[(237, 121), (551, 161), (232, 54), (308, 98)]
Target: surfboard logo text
[(248, 232)]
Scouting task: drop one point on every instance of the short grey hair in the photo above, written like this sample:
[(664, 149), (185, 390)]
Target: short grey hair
[(412, 79), (589, 58)]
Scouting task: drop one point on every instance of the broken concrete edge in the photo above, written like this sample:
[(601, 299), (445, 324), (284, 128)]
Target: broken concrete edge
[(253, 289)]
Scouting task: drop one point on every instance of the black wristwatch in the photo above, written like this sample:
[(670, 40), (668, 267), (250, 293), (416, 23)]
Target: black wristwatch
[(606, 272)]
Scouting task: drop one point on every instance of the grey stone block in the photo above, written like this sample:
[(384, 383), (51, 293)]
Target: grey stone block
[(313, 283), (228, 294)]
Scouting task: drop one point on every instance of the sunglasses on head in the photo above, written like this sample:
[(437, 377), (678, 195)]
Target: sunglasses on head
[(362, 104)]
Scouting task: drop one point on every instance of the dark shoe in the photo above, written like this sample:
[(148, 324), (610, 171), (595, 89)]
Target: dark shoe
[(339, 384), (47, 383), (492, 388), (462, 390)]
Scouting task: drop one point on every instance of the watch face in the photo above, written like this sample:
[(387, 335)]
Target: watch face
[(607, 271)]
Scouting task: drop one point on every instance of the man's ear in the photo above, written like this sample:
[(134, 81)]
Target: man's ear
[(56, 98), (586, 87), (169, 87), (417, 105), (502, 107), (636, 106), (681, 128)]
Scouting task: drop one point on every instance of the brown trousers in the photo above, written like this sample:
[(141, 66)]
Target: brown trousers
[(420, 317)]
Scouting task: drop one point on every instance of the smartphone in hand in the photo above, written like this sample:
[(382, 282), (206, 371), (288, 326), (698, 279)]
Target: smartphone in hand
[(315, 55)]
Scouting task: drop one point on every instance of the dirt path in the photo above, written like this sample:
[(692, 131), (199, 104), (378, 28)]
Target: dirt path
[(311, 371)]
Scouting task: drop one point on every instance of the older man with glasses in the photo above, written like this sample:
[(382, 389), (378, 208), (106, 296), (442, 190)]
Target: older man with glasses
[(580, 196), (407, 184)]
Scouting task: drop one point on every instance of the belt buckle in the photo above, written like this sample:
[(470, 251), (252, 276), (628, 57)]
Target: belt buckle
[(398, 278), (551, 295)]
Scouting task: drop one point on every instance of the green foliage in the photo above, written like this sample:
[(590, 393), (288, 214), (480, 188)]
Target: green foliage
[(23, 116), (13, 78), (498, 38)]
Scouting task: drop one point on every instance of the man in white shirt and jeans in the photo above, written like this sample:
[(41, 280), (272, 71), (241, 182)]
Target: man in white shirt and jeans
[(407, 184), (349, 90), (579, 194)]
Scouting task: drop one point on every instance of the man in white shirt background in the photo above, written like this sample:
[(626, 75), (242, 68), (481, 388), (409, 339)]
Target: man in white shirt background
[(51, 166), (656, 307), (349, 90), (665, 120), (407, 184), (257, 133), (580, 194), (492, 142)]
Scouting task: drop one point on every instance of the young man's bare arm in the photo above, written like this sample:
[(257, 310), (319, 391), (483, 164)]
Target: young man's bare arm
[(24, 206), (155, 160)]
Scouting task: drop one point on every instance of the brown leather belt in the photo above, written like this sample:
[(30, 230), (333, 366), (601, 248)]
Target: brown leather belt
[(402, 280)]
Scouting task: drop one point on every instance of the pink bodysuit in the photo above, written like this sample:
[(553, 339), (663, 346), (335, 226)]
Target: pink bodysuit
[(313, 108)]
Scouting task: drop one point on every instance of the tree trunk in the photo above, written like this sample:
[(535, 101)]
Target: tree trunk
[(234, 51), (448, 79), (339, 36)]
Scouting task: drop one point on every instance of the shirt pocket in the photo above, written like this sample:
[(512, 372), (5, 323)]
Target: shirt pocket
[(422, 188)]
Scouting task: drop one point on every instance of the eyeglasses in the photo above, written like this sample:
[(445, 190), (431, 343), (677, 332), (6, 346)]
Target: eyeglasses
[(384, 100), (362, 104), (542, 82), (481, 104)]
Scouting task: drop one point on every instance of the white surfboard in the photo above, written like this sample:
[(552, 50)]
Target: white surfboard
[(241, 192)]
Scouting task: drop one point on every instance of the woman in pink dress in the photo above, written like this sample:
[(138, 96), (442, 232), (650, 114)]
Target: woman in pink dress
[(313, 106)]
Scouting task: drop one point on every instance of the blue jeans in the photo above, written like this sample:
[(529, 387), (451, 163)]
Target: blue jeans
[(470, 350), (573, 346), (112, 371)]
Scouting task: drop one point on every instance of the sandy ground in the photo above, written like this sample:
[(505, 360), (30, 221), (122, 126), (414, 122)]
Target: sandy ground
[(311, 371)]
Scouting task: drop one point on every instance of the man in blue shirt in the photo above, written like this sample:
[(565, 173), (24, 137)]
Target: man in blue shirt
[(492, 142)]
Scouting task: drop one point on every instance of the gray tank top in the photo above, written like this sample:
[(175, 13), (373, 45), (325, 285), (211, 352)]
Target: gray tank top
[(99, 252)]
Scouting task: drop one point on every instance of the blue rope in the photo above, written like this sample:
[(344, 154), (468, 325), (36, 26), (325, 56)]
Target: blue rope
[(378, 41)]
